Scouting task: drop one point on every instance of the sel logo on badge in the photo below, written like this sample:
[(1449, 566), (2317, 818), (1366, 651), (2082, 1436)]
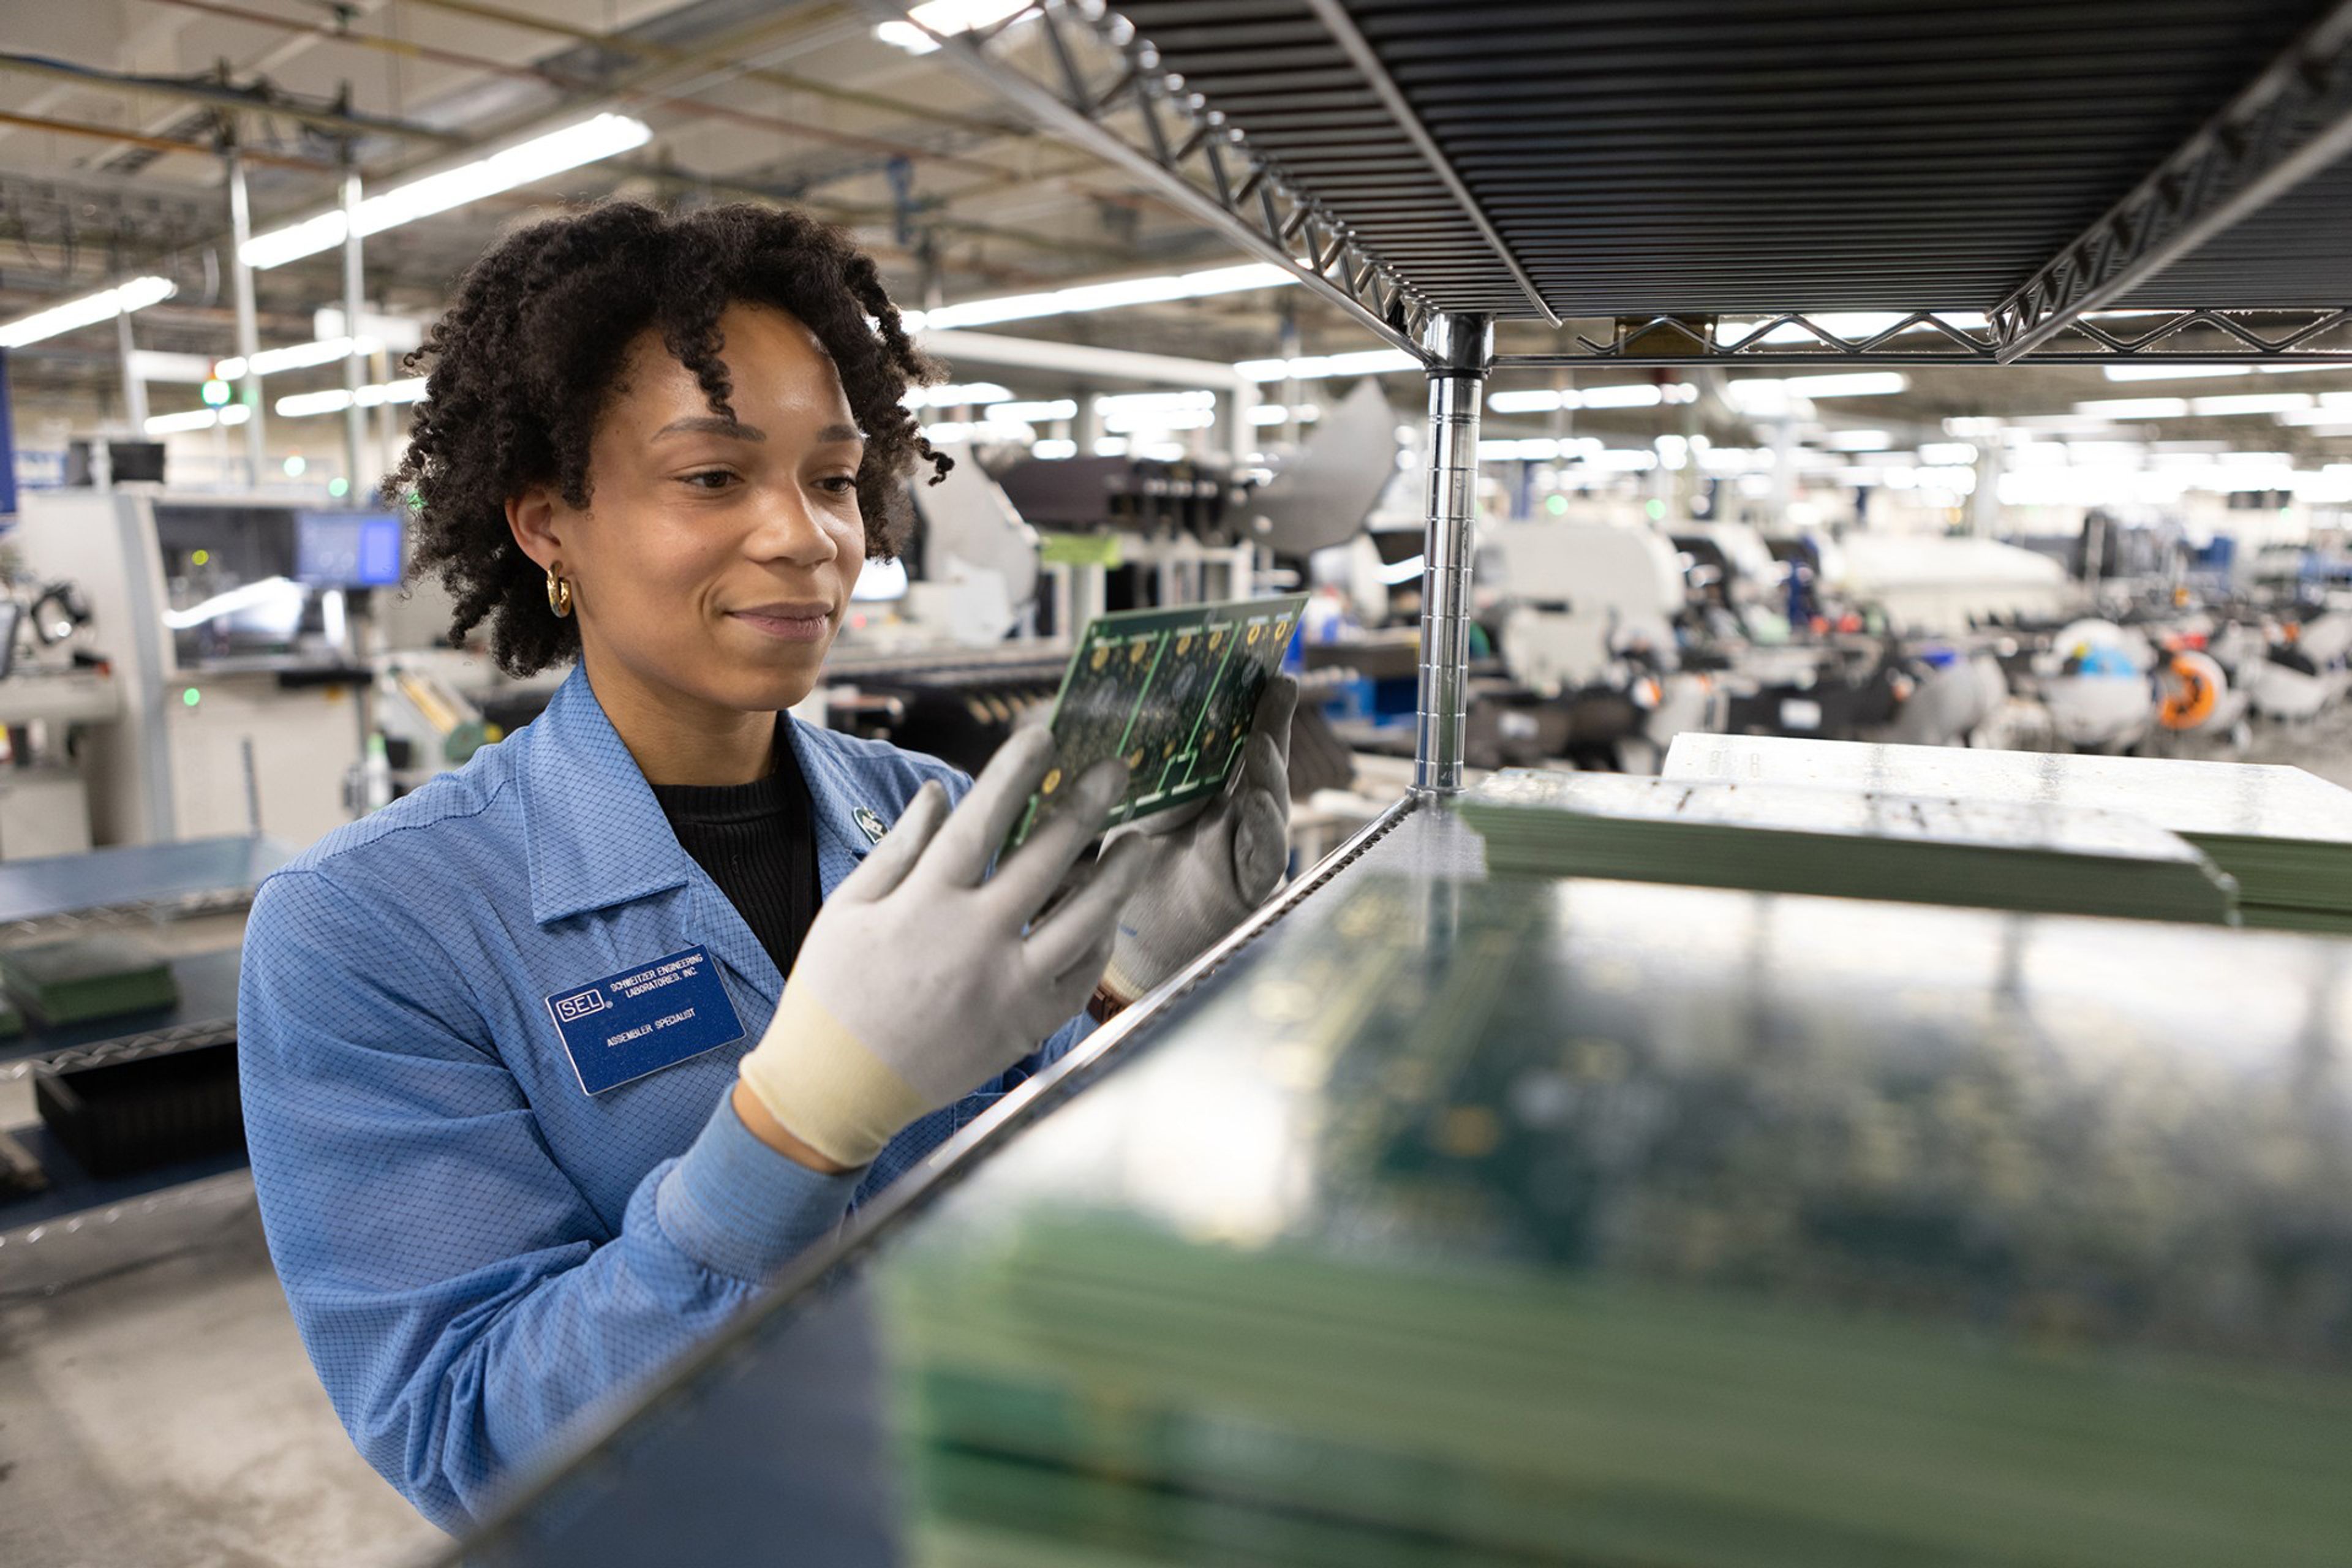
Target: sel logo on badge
[(579, 1004)]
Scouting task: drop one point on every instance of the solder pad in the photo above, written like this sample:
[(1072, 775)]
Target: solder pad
[(1170, 691)]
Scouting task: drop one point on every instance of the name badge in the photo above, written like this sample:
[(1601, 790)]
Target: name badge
[(643, 1019)]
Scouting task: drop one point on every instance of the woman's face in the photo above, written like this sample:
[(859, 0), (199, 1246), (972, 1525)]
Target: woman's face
[(716, 557)]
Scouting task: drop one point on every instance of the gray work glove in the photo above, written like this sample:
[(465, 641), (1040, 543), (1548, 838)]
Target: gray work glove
[(919, 981), (1207, 870)]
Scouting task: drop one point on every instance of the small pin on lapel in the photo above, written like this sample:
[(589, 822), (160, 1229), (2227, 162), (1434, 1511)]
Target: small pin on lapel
[(868, 823)]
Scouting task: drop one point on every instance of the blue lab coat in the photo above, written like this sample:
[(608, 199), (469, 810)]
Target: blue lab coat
[(476, 1249)]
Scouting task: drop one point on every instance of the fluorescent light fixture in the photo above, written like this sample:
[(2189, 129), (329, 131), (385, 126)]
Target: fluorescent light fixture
[(86, 312), (1972, 424), (1110, 296), (1632, 395), (1053, 449), (1503, 449), (303, 404), (1858, 383), (155, 364), (1319, 367), (198, 419), (1276, 413), (1035, 412), (2134, 407), (1946, 454), (2252, 402), (1634, 460), (1770, 396), (2173, 371), (2311, 418), (1111, 446), (397, 333), (956, 396), (1858, 440), (1624, 394), (301, 356), (1538, 449), (953, 430), (526, 162), (945, 19), (267, 590), (1127, 413)]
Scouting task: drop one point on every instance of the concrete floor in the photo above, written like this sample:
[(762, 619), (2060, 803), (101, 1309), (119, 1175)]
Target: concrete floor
[(163, 1416)]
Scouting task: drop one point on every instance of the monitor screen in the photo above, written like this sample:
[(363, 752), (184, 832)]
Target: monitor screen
[(135, 460), (346, 549)]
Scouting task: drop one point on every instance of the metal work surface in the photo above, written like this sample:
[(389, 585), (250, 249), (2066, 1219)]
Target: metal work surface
[(1464, 1220), (205, 1015), (139, 879), (1693, 181)]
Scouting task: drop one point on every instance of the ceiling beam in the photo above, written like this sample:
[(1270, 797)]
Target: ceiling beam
[(229, 99), (647, 49)]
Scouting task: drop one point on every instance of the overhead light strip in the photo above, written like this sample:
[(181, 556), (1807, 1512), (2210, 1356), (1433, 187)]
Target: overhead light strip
[(302, 404), (585, 141), (1090, 297), (86, 312)]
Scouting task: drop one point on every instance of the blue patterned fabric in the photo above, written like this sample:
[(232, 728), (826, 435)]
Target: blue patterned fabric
[(475, 1251)]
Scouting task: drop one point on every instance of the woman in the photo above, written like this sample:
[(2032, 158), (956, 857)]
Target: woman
[(549, 1064)]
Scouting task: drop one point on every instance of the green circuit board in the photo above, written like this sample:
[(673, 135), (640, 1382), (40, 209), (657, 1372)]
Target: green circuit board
[(1172, 691)]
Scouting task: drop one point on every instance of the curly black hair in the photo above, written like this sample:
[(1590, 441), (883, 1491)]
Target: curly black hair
[(522, 365)]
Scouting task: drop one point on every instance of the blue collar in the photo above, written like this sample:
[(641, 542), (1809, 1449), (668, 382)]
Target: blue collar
[(594, 837)]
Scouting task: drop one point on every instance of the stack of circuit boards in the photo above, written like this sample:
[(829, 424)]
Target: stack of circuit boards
[(1171, 692), (1779, 838), (2284, 834), (82, 979), (1581, 1223)]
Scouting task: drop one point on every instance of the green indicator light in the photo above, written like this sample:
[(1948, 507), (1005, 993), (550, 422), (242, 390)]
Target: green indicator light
[(1657, 510), (200, 557), (1556, 504), (215, 392), (338, 487), (192, 697), (295, 465)]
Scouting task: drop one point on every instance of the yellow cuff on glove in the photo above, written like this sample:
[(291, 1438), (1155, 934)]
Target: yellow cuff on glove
[(824, 1087)]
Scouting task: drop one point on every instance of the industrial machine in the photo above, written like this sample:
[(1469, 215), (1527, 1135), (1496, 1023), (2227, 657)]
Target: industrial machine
[(232, 626)]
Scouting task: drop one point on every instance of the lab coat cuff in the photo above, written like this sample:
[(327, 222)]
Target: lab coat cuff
[(739, 1208)]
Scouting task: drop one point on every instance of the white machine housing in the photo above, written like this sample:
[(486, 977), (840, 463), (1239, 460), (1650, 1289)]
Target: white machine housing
[(1579, 594), (251, 754)]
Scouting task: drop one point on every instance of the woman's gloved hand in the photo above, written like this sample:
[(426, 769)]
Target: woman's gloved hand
[(1207, 870), (918, 981)]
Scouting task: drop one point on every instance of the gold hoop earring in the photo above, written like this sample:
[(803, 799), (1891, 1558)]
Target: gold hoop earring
[(559, 593)]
